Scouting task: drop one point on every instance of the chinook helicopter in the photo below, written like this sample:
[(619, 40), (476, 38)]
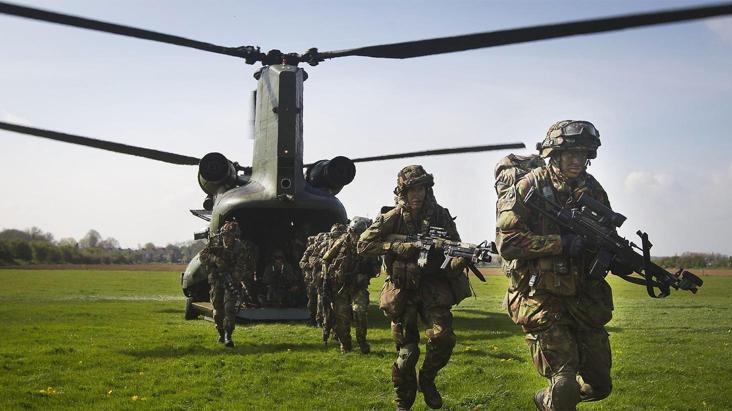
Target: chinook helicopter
[(279, 200)]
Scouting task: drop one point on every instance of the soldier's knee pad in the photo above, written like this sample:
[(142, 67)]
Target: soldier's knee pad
[(565, 391), (595, 393)]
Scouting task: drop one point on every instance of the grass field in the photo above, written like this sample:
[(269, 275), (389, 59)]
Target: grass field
[(117, 340)]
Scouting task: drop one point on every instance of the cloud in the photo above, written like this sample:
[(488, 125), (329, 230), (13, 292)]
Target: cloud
[(648, 180), (722, 27), (9, 117)]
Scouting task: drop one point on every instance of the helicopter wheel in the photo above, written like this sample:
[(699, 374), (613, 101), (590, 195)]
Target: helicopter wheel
[(190, 313)]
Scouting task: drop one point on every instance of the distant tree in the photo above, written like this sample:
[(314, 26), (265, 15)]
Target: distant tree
[(6, 254), (109, 243), (68, 241), (90, 240), (13, 234), (36, 234), (22, 250)]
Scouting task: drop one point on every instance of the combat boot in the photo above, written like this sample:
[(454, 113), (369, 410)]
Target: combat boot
[(221, 334), (228, 342), (364, 346), (432, 397), (346, 347)]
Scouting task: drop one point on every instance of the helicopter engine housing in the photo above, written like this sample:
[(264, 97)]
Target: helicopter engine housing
[(331, 174), (216, 174)]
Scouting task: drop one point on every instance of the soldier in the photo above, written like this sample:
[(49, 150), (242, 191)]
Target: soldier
[(325, 296), (308, 265), (350, 275), (411, 291), (562, 311), (229, 261), (280, 279)]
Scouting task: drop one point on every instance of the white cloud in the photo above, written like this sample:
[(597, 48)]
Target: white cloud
[(722, 27), (9, 117), (647, 180)]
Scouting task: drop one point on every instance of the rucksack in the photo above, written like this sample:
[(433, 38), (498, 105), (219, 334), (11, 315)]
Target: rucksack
[(508, 171)]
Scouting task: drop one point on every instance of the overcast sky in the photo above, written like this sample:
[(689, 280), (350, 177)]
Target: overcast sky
[(661, 98)]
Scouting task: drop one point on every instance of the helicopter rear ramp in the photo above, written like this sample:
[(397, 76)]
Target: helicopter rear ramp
[(257, 314)]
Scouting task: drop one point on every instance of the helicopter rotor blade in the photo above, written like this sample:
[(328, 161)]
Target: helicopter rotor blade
[(249, 53), (453, 44), (443, 151), (152, 154)]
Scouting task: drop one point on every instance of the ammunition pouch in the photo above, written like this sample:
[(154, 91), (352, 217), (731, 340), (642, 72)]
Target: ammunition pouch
[(594, 304), (555, 277), (460, 286), (392, 300), (405, 274)]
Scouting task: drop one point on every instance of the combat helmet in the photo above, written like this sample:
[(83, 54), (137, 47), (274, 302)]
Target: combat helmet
[(337, 229), (359, 224), (570, 135), (411, 176), (230, 228)]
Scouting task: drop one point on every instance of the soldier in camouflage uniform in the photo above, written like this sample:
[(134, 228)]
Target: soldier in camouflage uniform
[(228, 261), (325, 295), (562, 311), (350, 275), (411, 291), (281, 280), (311, 266)]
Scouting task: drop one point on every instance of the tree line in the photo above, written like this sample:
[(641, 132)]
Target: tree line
[(33, 246)]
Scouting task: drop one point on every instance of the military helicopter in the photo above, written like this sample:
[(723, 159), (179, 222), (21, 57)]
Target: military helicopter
[(279, 200)]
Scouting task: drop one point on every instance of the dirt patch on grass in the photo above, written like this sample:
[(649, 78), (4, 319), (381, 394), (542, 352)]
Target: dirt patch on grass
[(101, 267)]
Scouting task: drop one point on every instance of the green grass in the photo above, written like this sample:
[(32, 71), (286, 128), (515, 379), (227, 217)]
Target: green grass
[(117, 340)]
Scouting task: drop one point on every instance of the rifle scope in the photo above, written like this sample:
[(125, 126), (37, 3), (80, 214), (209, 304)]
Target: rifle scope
[(605, 213)]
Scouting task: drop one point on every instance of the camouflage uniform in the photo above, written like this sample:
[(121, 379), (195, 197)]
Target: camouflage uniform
[(560, 309), (227, 264), (311, 267), (350, 275), (325, 294), (411, 291), (281, 279)]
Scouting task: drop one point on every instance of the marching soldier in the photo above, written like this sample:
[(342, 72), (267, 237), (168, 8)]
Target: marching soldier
[(311, 267), (350, 275), (562, 310), (325, 296), (229, 261), (411, 291)]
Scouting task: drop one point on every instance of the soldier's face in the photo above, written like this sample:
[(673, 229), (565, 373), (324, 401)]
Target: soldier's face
[(572, 162), (416, 196)]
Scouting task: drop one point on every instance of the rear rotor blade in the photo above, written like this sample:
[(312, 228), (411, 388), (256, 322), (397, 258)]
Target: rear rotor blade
[(453, 44), (103, 145), (459, 150)]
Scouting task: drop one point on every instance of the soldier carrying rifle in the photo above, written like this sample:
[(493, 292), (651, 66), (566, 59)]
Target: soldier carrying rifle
[(231, 264)]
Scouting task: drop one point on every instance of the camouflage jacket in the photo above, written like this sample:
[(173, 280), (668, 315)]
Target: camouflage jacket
[(239, 260), (545, 284), (405, 282)]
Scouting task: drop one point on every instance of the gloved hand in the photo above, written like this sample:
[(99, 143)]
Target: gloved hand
[(404, 250), (458, 264), (572, 245)]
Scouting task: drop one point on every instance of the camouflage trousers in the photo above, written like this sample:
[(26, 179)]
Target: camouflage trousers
[(577, 362), (314, 309), (440, 343), (351, 306), (224, 301)]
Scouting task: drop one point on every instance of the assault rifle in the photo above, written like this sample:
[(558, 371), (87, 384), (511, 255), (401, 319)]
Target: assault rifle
[(436, 239), (597, 224)]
